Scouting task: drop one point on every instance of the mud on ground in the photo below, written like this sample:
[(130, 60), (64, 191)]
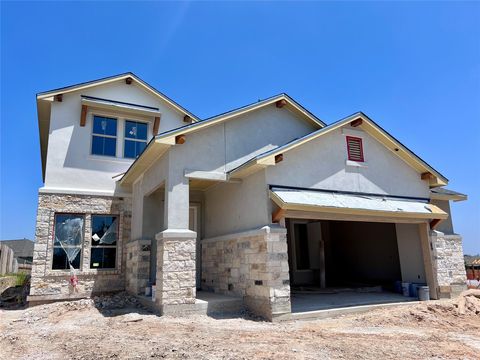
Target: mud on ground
[(120, 329)]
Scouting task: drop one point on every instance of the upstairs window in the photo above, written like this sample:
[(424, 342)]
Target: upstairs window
[(135, 138), (104, 242), (355, 149), (104, 136)]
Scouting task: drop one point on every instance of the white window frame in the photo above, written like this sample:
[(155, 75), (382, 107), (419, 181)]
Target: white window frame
[(121, 118), (92, 134)]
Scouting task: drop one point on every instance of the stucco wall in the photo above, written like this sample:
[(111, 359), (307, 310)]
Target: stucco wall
[(445, 226), (70, 164), (321, 164), (410, 253), (235, 207)]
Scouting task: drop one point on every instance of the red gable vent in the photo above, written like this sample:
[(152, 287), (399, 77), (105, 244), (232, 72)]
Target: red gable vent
[(355, 149)]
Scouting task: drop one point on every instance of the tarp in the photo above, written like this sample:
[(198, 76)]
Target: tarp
[(313, 200)]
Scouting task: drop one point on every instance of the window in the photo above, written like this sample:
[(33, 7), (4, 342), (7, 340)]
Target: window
[(68, 237), (355, 149), (104, 242), (104, 136), (135, 138)]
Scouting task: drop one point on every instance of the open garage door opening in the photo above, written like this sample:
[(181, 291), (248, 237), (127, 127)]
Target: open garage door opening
[(348, 263)]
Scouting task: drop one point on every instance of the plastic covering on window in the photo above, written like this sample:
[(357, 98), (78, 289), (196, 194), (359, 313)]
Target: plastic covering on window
[(109, 234), (68, 234)]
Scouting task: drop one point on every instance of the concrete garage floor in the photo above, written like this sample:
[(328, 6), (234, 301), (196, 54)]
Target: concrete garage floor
[(305, 302)]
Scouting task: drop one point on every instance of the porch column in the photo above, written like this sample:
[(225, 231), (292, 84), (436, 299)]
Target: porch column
[(175, 278), (424, 230)]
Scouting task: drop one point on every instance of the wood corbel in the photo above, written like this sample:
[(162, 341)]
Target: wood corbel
[(356, 122), (59, 97), (281, 103), (156, 125), (278, 215), (83, 115), (434, 223), (426, 176), (128, 80), (187, 119), (180, 139), (278, 158)]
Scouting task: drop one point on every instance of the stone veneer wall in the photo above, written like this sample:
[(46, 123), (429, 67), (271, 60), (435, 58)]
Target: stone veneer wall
[(138, 266), (253, 265), (176, 288), (448, 263), (48, 284)]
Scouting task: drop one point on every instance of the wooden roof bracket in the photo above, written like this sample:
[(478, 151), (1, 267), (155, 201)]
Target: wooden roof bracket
[(83, 115), (356, 122), (434, 223), (278, 214), (156, 125), (281, 103), (180, 139)]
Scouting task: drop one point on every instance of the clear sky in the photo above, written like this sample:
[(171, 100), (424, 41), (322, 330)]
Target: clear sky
[(412, 67)]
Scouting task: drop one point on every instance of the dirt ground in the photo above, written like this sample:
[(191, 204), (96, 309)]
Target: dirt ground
[(84, 330)]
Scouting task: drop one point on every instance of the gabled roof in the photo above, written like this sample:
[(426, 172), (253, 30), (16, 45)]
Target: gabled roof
[(291, 104), (85, 85), (164, 140), (45, 98), (368, 125)]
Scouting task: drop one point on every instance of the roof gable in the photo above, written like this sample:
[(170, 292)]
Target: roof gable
[(49, 95), (366, 124)]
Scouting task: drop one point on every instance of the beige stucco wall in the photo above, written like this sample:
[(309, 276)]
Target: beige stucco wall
[(321, 164), (410, 253), (445, 226), (234, 207)]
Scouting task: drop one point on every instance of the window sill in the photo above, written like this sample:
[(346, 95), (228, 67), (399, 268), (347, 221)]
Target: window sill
[(356, 164)]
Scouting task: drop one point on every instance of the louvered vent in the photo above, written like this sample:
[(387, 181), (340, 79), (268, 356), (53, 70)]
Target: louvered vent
[(355, 149)]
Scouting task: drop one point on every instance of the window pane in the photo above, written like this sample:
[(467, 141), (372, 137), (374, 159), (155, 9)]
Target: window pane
[(104, 126), (140, 146), (110, 147), (104, 230), (60, 260), (135, 130), (103, 258), (68, 230), (104, 146), (130, 149)]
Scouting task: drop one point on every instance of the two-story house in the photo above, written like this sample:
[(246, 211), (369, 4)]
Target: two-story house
[(255, 202)]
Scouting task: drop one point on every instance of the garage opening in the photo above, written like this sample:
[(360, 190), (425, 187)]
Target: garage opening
[(344, 263)]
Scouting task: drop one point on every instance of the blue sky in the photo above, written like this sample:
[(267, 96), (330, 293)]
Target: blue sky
[(412, 67)]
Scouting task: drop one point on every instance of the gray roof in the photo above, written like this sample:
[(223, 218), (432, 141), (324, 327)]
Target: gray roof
[(443, 191), (20, 247)]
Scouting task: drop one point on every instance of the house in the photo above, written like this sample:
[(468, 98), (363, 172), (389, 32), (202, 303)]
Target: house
[(255, 202)]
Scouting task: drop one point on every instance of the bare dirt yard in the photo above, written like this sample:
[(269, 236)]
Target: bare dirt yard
[(121, 329)]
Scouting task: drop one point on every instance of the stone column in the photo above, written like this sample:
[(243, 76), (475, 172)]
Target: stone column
[(176, 288), (448, 263), (138, 266)]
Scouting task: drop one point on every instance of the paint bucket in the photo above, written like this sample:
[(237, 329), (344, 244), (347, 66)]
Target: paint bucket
[(423, 293), (397, 287), (406, 288), (154, 292), (148, 291), (413, 289)]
